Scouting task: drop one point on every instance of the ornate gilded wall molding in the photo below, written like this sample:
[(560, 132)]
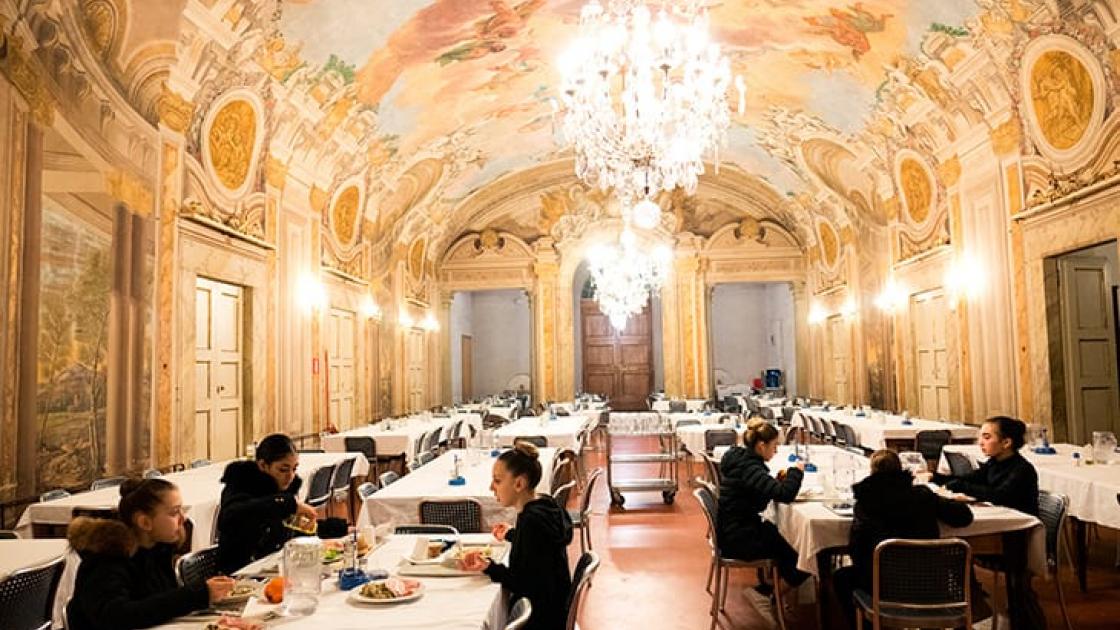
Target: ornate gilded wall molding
[(175, 111)]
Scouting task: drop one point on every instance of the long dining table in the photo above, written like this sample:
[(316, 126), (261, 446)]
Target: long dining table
[(562, 432), (399, 502), (398, 437), (200, 488), (470, 602), (878, 429)]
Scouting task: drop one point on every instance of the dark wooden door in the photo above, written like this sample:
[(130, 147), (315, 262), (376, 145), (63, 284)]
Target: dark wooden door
[(617, 364)]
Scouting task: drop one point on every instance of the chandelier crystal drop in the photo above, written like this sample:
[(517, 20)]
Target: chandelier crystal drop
[(625, 276), (644, 96)]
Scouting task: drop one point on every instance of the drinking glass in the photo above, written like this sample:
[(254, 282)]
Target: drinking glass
[(302, 563)]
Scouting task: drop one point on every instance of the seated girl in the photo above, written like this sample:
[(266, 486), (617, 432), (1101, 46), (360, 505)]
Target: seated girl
[(257, 498), (538, 558), (745, 491), (127, 578), (889, 505), (1007, 478)]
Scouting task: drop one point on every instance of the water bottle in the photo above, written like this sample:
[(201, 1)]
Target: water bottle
[(350, 550)]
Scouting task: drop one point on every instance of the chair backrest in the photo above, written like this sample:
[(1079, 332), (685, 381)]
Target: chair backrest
[(791, 434), (787, 414), (519, 614), (563, 471), (464, 515), (97, 512), (581, 579), (367, 489), (425, 529), (319, 488), (563, 493), (106, 482), (342, 471), (387, 478), (687, 422), (719, 437), (152, 473), (539, 441), (525, 413), (199, 463), (840, 435), (677, 406), (27, 595), (850, 437), (494, 421), (198, 566), (585, 498), (701, 482), (767, 413), (433, 440), (52, 495), (714, 474), (930, 442), (7, 534), (709, 506), (361, 444), (959, 463), (420, 446), (312, 450), (1052, 512), (916, 574), (425, 458)]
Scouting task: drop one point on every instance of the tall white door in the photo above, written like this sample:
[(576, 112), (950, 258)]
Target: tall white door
[(927, 315), (219, 331), (341, 366), (1089, 345), (839, 363), (416, 372)]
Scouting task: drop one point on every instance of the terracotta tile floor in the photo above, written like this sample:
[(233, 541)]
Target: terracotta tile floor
[(655, 561)]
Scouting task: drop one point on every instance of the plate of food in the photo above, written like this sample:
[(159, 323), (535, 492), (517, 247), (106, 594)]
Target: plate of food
[(242, 590), (234, 623), (430, 550), (390, 591)]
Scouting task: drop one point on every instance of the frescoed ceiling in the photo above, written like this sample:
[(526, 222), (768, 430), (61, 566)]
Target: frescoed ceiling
[(447, 97)]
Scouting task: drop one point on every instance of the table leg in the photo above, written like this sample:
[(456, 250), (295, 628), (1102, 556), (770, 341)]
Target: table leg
[(1081, 552), (1022, 602)]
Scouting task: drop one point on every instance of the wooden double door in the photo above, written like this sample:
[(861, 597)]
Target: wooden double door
[(617, 363)]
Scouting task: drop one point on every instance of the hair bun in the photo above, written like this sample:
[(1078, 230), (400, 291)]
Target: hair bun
[(130, 485), (756, 423), (527, 449)]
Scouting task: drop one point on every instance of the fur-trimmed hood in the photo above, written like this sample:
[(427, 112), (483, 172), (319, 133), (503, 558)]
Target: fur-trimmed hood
[(101, 536), (246, 476)]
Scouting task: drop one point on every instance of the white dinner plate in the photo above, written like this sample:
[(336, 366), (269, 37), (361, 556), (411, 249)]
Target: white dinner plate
[(357, 597)]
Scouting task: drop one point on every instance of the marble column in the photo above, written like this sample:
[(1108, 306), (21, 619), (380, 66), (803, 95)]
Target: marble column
[(445, 340), (545, 306), (685, 324), (27, 429), (116, 373)]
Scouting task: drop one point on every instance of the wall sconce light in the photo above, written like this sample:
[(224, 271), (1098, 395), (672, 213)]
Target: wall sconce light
[(311, 293), (964, 279), (816, 315), (849, 309), (370, 309), (893, 296), (430, 323), (404, 319)]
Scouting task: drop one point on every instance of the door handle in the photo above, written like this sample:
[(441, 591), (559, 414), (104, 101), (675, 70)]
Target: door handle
[(221, 388)]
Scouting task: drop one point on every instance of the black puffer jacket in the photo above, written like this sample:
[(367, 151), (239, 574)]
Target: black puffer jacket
[(121, 585), (747, 488), (889, 505), (250, 520), (538, 563), (1012, 483)]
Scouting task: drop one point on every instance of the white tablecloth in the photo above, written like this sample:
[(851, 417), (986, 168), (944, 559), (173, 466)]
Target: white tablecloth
[(873, 431), (563, 432), (399, 503), (691, 437), (810, 527), (450, 603), (690, 405), (402, 437), (21, 554), (1091, 489), (201, 490)]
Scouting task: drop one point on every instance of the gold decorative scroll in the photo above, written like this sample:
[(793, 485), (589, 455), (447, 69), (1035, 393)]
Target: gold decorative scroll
[(232, 138), (416, 259), (174, 110), (917, 190), (1062, 97), (344, 215), (830, 244)]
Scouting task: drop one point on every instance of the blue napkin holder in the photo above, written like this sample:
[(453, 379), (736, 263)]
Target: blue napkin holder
[(810, 467), (351, 578), (907, 422), (495, 453), (793, 457), (860, 414), (1045, 449), (457, 481)]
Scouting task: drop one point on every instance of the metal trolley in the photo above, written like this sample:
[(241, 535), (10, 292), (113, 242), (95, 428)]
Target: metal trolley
[(643, 425)]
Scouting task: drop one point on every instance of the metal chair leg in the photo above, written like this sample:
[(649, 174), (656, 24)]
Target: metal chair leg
[(779, 603)]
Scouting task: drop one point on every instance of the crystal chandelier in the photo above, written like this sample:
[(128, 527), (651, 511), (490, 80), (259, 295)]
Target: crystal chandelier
[(644, 97), (625, 277)]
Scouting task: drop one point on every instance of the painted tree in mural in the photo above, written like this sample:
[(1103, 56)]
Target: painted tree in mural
[(55, 339), (90, 298)]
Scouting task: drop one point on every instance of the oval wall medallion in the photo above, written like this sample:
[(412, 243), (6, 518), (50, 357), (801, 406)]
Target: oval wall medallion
[(917, 189), (344, 215), (416, 259), (1061, 97), (829, 243), (231, 143)]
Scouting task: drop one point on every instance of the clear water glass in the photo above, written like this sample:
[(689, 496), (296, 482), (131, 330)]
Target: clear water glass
[(302, 564)]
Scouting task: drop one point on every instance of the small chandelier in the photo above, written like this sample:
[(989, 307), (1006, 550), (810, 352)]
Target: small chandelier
[(625, 277), (644, 98)]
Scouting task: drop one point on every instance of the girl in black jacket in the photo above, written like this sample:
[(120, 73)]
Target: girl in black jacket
[(257, 498), (126, 578), (1007, 478), (889, 505), (538, 558), (747, 488)]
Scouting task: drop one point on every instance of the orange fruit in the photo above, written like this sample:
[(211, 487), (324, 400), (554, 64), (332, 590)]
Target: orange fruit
[(274, 590)]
